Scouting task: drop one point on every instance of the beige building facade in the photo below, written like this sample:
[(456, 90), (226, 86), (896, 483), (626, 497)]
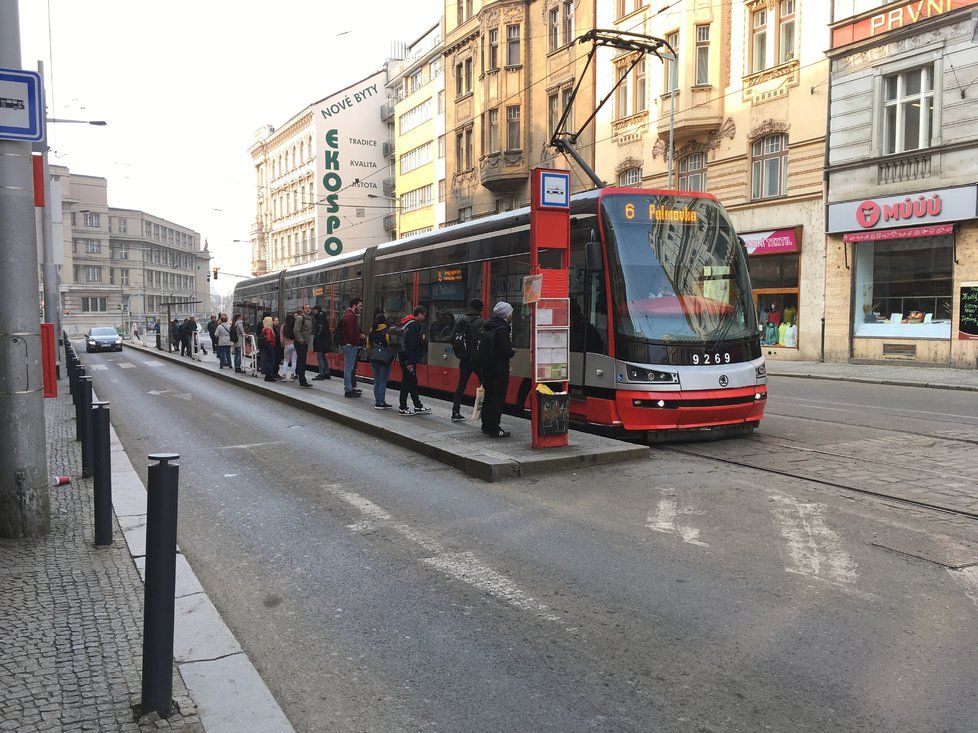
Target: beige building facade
[(121, 266), (746, 100), (510, 66)]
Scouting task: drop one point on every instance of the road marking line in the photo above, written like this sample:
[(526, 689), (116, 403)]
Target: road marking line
[(99, 367), (463, 566), (126, 365), (153, 363), (967, 578), (249, 445), (809, 547), (663, 519)]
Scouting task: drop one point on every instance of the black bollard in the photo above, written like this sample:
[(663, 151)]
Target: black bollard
[(70, 362), (85, 416), (160, 588), (103, 473), (79, 375)]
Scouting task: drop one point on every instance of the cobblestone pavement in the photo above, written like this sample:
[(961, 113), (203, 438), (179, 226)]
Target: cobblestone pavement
[(71, 615), (878, 373)]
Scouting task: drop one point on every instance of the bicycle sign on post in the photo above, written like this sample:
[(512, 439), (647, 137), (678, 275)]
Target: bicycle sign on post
[(548, 290)]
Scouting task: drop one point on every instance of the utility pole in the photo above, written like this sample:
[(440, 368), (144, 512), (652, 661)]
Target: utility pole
[(24, 497), (52, 294)]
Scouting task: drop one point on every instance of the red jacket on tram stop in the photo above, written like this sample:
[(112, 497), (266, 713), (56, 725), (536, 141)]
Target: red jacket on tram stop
[(350, 332)]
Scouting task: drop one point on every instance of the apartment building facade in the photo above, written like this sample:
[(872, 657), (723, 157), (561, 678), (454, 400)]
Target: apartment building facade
[(902, 248), (416, 116), (746, 100), (319, 179), (510, 66), (121, 266)]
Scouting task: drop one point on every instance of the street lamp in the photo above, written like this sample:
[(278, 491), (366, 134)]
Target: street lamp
[(97, 123)]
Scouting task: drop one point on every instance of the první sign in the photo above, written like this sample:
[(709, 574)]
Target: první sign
[(916, 209), (894, 18)]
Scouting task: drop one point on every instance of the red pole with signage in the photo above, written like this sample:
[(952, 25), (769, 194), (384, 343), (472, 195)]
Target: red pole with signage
[(48, 353), (547, 290)]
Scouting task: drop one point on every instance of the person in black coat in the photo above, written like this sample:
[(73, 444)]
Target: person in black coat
[(322, 342), (465, 332), (494, 357)]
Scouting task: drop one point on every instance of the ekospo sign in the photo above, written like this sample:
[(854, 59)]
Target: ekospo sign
[(907, 210)]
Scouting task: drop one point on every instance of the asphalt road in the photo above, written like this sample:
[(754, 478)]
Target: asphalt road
[(376, 591)]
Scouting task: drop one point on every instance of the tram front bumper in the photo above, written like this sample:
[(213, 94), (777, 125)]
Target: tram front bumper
[(690, 410)]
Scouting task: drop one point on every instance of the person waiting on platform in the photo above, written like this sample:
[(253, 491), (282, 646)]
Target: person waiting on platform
[(381, 357), (495, 351)]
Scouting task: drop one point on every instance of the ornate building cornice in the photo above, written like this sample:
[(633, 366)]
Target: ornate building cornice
[(768, 127)]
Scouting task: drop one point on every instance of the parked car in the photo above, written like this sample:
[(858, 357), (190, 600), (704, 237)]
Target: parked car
[(103, 338)]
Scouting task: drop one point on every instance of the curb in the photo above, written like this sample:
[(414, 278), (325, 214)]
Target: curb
[(869, 380), (226, 689), (483, 465)]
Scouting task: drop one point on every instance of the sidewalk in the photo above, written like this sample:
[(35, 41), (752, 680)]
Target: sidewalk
[(71, 618), (461, 445), (897, 374)]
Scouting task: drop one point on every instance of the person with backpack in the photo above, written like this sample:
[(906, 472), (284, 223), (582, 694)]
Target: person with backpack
[(287, 340), (302, 330), (412, 339), (237, 341), (222, 336), (381, 356), (322, 342), (495, 351), (187, 330), (463, 346), (212, 332), (349, 336), (267, 342)]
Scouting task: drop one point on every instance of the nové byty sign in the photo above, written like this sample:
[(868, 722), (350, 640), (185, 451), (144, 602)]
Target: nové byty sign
[(887, 212)]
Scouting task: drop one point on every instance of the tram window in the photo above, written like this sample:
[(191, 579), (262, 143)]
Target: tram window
[(393, 294), (450, 291), (506, 284), (588, 317)]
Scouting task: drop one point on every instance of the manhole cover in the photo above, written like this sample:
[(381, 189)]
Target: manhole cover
[(939, 549)]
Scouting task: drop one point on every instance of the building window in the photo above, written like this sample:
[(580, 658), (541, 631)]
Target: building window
[(441, 146), (904, 288), (512, 45), (459, 83), (123, 226), (774, 275), (493, 49), (769, 167), (441, 190), (94, 305), (908, 110), (468, 148), (93, 247), (513, 128), (553, 29), (122, 251), (415, 116), (460, 151), (414, 82), (441, 102), (553, 111), (758, 42), (786, 31), (640, 99), (626, 7), (416, 158), (624, 101), (493, 115), (73, 223), (702, 54), (630, 177), (671, 66), (92, 219), (123, 277), (567, 20), (93, 274), (416, 199), (468, 75), (465, 213), (692, 172)]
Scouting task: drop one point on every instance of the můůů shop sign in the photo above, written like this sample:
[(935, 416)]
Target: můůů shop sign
[(906, 210), (893, 17)]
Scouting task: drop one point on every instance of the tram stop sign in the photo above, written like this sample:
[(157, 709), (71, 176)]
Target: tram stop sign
[(21, 105), (546, 290)]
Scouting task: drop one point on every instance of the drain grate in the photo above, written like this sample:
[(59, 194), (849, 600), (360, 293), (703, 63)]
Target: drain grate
[(939, 549)]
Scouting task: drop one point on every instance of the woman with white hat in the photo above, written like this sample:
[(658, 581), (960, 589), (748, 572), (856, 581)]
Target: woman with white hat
[(495, 351)]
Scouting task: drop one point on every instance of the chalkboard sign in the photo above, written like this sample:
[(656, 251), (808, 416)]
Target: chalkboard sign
[(968, 312)]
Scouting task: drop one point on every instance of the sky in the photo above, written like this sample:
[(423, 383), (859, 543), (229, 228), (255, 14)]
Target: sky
[(185, 85)]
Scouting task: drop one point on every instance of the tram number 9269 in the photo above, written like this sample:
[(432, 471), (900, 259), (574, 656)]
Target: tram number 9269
[(711, 358)]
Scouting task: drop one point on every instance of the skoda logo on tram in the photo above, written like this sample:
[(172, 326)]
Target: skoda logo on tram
[(723, 380)]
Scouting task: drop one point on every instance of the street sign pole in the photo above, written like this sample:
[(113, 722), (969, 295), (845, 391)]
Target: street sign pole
[(547, 288), (24, 497)]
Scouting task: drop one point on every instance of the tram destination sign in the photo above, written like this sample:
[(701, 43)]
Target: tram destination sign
[(21, 105)]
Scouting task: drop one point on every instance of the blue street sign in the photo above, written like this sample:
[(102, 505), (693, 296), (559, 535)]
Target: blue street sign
[(555, 189), (21, 105)]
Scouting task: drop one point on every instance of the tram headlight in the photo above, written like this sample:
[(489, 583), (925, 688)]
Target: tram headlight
[(654, 376)]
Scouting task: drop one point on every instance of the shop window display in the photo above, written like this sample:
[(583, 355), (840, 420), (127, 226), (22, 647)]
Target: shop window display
[(774, 278), (903, 288)]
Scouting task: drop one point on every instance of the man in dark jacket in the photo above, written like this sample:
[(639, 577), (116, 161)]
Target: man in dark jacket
[(212, 331), (496, 349), (409, 358), (175, 333), (322, 342), (463, 342), (303, 339), (351, 336), (187, 329)]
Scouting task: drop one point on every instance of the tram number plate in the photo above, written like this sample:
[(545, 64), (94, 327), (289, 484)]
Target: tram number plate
[(715, 358)]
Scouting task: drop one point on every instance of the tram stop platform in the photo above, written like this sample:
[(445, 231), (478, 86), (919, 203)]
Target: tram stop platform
[(461, 445)]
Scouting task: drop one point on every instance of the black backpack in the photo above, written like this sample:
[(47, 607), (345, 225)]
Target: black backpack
[(485, 345), (338, 332), (462, 338), (288, 329), (260, 341), (234, 334)]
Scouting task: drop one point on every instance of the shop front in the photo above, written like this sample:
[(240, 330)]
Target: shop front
[(908, 265), (774, 259)]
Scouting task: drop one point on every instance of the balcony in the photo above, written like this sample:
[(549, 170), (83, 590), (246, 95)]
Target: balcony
[(386, 112), (389, 223), (388, 148), (503, 172), (388, 187), (904, 167)]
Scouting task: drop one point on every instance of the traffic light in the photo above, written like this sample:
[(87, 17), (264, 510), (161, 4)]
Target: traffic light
[(215, 272), (208, 277)]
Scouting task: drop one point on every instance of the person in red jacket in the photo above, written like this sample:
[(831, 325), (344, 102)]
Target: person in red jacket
[(269, 342), (351, 336)]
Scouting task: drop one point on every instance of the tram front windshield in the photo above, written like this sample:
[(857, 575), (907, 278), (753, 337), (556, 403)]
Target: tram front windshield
[(678, 272)]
